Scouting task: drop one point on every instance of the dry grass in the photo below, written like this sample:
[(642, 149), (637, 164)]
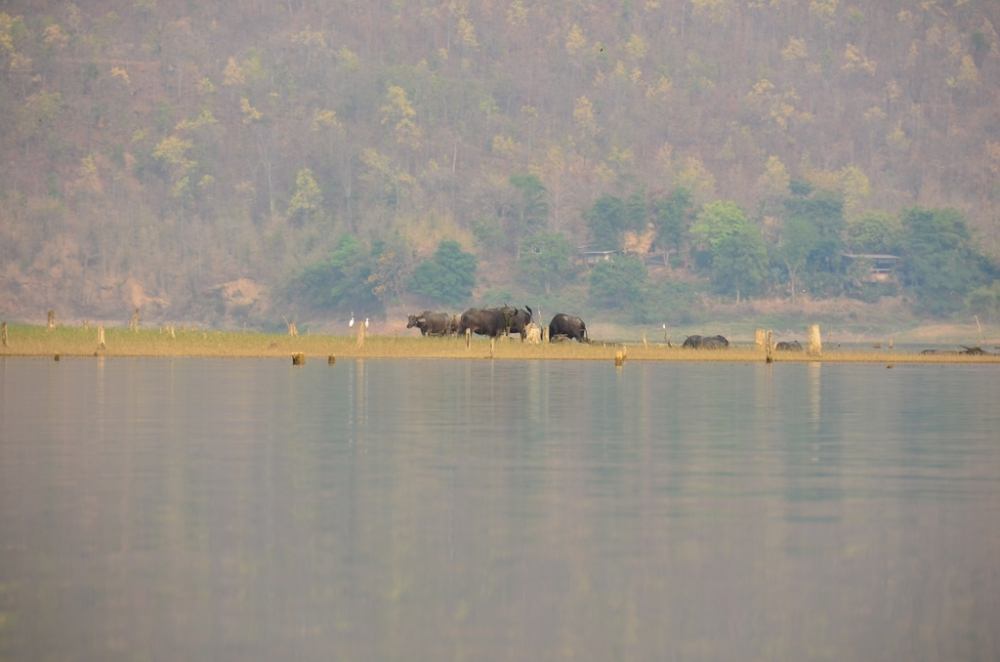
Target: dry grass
[(77, 341)]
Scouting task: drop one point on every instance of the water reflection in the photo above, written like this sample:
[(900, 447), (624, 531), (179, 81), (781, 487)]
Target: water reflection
[(499, 510)]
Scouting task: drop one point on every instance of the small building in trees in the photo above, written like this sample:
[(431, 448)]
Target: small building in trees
[(875, 267), (591, 257)]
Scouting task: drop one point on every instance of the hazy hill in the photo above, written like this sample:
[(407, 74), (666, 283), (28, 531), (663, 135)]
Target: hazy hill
[(157, 152)]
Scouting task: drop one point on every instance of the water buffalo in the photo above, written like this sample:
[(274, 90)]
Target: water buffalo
[(432, 324), (518, 320), (789, 346), (490, 322), (706, 342), (567, 326)]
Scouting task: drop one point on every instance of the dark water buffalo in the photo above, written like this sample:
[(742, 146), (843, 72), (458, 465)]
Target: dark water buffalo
[(567, 326), (706, 342), (967, 351), (789, 346), (494, 322), (432, 324), (490, 322), (518, 320)]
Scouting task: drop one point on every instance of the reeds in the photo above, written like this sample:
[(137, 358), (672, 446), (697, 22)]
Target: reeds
[(151, 342)]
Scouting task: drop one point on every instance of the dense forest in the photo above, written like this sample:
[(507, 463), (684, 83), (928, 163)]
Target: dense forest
[(236, 162)]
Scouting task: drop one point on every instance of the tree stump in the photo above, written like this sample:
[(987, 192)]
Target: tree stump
[(51, 322), (759, 338), (298, 358), (815, 342), (100, 337)]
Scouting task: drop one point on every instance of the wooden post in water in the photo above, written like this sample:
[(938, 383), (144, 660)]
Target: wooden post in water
[(361, 335), (3, 334), (51, 322), (298, 358), (100, 337), (493, 346), (768, 346), (815, 342), (468, 338), (330, 360)]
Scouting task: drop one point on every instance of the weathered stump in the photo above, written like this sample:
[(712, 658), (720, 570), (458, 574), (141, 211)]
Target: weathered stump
[(51, 321), (361, 335), (768, 346), (100, 337), (298, 358), (760, 338), (330, 360), (815, 342)]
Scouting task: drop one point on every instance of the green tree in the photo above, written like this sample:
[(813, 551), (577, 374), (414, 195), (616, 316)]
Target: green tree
[(341, 282), (618, 283), (448, 277), (545, 262), (824, 212), (672, 218), (735, 251), (527, 211), (875, 233), (940, 264), (607, 219), (796, 243)]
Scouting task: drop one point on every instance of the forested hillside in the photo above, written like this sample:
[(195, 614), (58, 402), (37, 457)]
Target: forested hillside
[(237, 161)]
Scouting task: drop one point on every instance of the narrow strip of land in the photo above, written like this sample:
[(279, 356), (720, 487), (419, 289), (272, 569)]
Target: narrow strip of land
[(36, 341)]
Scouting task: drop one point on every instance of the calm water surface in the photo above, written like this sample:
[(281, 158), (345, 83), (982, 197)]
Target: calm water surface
[(242, 510)]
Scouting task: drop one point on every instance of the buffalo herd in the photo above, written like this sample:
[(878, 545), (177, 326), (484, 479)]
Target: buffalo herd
[(507, 320), (495, 322)]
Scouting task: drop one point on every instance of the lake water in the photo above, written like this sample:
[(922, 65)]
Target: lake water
[(188, 509)]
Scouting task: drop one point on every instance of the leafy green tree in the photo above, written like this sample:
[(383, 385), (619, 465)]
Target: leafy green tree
[(607, 219), (824, 210), (340, 283), (448, 277), (940, 264), (736, 255), (618, 283), (545, 262), (875, 233), (799, 238), (672, 218)]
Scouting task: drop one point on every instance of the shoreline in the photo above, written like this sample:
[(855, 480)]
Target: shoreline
[(78, 342)]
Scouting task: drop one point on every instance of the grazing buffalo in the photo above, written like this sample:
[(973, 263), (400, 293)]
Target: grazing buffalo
[(967, 351), (706, 342), (490, 322), (567, 326), (789, 346), (518, 320), (432, 324), (494, 322)]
